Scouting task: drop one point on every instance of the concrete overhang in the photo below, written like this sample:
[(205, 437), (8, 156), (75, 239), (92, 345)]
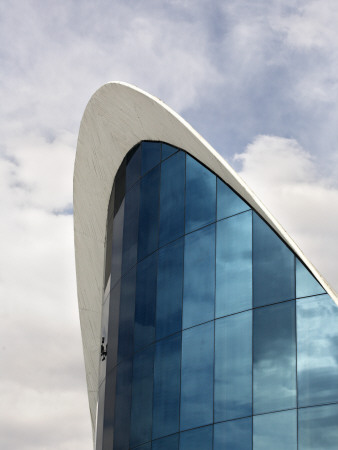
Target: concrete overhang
[(117, 117)]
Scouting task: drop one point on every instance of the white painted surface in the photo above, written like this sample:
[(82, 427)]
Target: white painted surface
[(117, 117)]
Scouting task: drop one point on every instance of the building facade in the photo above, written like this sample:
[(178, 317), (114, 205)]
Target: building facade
[(208, 328)]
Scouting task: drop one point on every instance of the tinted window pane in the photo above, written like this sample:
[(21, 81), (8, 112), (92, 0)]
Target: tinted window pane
[(149, 206), (122, 405), (234, 265), (317, 337), (200, 196), (113, 329), (167, 370), (127, 314), (197, 376), (306, 284), (109, 411), (151, 155), (133, 169), (172, 198), (228, 203), (142, 401), (168, 443), (318, 428), (119, 189), (169, 289), (233, 367), (277, 431), (199, 439), (116, 261), (144, 332), (273, 266), (233, 435), (130, 229), (199, 277), (146, 446), (274, 358), (168, 150)]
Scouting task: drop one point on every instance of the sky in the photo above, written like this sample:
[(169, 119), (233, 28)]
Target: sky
[(258, 79)]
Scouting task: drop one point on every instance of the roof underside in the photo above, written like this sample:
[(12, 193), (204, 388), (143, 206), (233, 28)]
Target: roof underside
[(117, 117)]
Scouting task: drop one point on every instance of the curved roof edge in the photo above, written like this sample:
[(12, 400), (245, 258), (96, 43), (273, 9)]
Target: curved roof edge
[(117, 117)]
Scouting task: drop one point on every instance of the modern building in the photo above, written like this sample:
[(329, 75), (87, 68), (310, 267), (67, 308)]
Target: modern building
[(203, 324)]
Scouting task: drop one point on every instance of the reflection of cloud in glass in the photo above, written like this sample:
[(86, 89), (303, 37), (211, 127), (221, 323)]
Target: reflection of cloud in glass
[(197, 376), (234, 435), (317, 347), (273, 266), (274, 358), (234, 264), (318, 428), (276, 431), (233, 367), (166, 394), (199, 277), (306, 284), (200, 200), (198, 439)]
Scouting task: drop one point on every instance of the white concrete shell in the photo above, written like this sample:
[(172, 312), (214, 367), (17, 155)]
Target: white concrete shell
[(117, 117)]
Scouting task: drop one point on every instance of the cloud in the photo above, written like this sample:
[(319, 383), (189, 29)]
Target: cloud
[(235, 70), (56, 56), (286, 178), (42, 379)]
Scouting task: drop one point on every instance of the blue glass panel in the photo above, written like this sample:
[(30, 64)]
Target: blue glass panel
[(168, 150), (306, 284), (200, 196), (234, 264), (273, 266), (233, 367), (133, 168), (228, 203), (122, 405), (151, 155), (197, 376), (111, 344), (277, 431), (127, 315), (172, 198), (233, 435), (199, 277), (169, 289), (146, 446), (167, 371), (109, 411), (149, 213), (318, 428), (144, 332), (317, 350), (198, 439), (117, 240), (142, 401), (167, 443), (274, 358), (118, 191), (130, 229)]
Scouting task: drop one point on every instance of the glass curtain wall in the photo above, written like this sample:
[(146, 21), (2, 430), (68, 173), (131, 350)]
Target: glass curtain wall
[(215, 336)]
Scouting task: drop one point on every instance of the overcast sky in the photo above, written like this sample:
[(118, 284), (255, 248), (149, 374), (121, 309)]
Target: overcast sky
[(257, 78)]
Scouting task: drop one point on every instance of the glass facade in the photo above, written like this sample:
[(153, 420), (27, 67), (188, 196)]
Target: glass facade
[(215, 335)]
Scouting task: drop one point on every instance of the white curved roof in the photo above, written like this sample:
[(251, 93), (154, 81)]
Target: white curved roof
[(117, 117)]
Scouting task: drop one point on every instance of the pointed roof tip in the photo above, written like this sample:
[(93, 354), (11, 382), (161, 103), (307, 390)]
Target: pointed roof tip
[(118, 116), (134, 95)]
